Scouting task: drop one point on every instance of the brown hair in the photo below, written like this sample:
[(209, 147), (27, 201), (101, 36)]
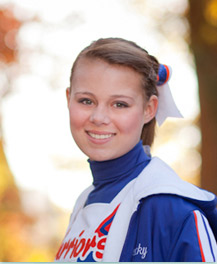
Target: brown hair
[(127, 53)]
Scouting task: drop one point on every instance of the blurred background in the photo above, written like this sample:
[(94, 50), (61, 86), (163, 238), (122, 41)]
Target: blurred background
[(41, 170)]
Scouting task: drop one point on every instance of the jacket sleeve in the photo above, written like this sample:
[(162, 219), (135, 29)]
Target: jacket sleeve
[(167, 228), (195, 242)]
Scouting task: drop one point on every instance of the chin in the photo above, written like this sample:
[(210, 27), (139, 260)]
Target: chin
[(101, 157)]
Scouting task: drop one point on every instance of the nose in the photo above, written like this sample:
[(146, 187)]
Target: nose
[(100, 116)]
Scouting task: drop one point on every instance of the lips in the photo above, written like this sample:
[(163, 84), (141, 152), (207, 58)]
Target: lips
[(100, 135)]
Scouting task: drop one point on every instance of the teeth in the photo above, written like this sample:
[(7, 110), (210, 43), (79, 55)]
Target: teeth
[(97, 136)]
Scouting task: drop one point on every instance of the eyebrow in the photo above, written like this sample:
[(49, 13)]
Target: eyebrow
[(122, 95), (88, 93), (113, 96)]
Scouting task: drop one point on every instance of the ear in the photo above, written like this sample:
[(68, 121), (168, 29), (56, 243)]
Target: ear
[(68, 96), (150, 108)]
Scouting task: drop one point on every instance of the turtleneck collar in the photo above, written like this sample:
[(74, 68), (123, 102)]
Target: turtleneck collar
[(110, 176), (110, 170)]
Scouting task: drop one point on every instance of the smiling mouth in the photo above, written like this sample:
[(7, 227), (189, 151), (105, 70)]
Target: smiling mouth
[(100, 136)]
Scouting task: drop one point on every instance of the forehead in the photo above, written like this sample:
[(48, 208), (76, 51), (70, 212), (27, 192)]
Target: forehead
[(94, 69)]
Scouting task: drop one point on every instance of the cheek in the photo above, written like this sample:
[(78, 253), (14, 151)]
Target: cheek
[(77, 118), (132, 124)]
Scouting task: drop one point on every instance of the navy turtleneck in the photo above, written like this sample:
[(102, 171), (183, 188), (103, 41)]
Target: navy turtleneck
[(110, 176)]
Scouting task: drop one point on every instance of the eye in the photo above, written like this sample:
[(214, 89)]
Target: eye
[(85, 101), (121, 105)]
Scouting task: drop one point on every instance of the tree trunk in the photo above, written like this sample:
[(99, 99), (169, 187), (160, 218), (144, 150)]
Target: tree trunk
[(9, 195), (203, 27)]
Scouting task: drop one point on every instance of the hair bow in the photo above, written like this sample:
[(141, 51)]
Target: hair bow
[(166, 104)]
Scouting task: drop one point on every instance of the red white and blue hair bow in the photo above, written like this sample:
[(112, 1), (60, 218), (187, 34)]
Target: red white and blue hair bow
[(166, 104)]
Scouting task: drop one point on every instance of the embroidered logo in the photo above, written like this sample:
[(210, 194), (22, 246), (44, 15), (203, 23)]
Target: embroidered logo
[(140, 251), (87, 248)]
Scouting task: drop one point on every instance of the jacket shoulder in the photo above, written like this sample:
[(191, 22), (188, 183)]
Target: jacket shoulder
[(166, 212), (175, 228)]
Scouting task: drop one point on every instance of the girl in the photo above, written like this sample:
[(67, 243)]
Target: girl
[(137, 209)]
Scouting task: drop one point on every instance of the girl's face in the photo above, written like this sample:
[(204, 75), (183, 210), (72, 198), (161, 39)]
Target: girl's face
[(107, 109)]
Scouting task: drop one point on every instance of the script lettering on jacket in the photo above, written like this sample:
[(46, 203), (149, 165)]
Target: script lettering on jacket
[(140, 251), (82, 247)]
